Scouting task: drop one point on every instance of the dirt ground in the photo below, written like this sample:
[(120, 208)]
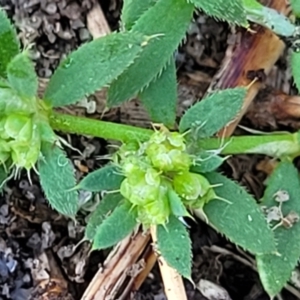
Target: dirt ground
[(36, 244)]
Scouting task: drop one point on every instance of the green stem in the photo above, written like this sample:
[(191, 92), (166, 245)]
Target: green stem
[(96, 128), (276, 145)]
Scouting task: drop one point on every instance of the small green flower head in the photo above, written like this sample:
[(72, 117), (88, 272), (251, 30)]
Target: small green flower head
[(157, 211), (142, 190), (166, 150), (190, 186)]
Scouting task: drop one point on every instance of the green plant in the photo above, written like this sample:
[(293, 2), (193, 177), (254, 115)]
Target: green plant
[(157, 178)]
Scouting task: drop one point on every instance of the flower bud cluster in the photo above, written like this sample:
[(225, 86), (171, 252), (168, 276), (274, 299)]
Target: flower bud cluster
[(156, 167), (23, 127)]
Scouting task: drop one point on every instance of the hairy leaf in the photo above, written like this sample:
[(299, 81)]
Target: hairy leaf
[(231, 11), (57, 177), (9, 44), (174, 244), (296, 7), (206, 162), (106, 178), (102, 211), (268, 17), (169, 19), (160, 97), (276, 270), (213, 112), (21, 75), (93, 66), (295, 62), (242, 221), (115, 227), (132, 10)]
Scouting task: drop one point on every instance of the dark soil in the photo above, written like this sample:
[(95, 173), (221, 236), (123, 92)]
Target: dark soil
[(36, 244)]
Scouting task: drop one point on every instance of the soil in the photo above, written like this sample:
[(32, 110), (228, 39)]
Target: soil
[(37, 244)]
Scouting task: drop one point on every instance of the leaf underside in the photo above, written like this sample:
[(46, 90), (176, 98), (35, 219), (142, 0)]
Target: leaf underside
[(176, 16), (9, 44), (213, 112), (174, 244), (242, 221), (93, 66), (276, 270), (57, 176)]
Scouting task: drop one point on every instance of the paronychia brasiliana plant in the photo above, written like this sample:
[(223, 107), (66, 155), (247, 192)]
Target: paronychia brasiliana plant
[(158, 177)]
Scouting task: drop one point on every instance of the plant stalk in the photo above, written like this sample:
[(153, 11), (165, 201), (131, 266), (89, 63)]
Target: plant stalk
[(276, 145)]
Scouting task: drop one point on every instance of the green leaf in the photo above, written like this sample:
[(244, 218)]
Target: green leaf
[(276, 270), (57, 176), (160, 97), (174, 244), (21, 75), (115, 227), (231, 11), (295, 62), (242, 221), (296, 7), (213, 112), (169, 19), (269, 17), (207, 162), (132, 10), (105, 178), (93, 66), (102, 211), (177, 207), (9, 44)]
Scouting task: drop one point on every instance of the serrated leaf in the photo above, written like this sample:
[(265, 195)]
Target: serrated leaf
[(115, 227), (174, 244), (132, 10), (105, 178), (177, 207), (93, 66), (242, 221), (57, 176), (21, 75), (102, 211), (295, 62), (276, 270), (160, 97), (213, 112), (231, 11), (169, 19), (9, 44), (296, 7), (206, 162)]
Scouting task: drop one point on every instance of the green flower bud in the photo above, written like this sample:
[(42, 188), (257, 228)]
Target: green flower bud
[(191, 186), (18, 127), (155, 212), (4, 152), (25, 154), (145, 189)]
